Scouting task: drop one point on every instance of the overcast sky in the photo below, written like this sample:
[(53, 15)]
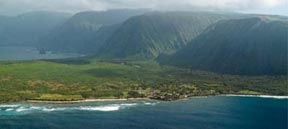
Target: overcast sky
[(12, 7)]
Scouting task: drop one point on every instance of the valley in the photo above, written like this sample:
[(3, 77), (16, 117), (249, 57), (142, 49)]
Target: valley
[(141, 54), (143, 64)]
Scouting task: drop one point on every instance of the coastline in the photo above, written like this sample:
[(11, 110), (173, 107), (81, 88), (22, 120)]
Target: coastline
[(260, 96), (131, 99), (83, 101)]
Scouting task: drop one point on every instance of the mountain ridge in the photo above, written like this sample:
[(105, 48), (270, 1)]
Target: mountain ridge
[(148, 35), (77, 34), (249, 46)]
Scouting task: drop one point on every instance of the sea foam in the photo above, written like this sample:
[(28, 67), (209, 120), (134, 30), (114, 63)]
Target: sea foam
[(275, 97), (261, 96), (9, 106), (100, 108), (27, 108)]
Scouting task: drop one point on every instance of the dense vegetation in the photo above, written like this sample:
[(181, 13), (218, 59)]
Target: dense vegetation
[(123, 44), (69, 80), (86, 32), (146, 36), (249, 46)]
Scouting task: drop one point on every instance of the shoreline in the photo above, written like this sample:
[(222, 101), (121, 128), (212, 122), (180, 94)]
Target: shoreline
[(107, 100), (235, 95), (260, 96), (131, 99), (83, 101)]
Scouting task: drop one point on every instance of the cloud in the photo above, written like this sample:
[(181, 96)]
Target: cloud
[(20, 6)]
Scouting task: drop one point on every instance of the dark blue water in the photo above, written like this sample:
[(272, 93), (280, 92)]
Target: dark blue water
[(197, 113)]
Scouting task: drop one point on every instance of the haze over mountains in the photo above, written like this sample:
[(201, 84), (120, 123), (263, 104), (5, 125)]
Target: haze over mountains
[(85, 32), (220, 42), (26, 29)]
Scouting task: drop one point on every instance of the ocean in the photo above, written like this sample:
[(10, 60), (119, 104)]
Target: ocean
[(215, 112), (12, 53)]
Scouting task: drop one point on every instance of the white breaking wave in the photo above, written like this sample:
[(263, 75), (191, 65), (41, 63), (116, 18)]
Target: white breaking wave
[(147, 103), (21, 109), (112, 107), (128, 104), (150, 103), (261, 96), (9, 106), (276, 97), (53, 109), (9, 109), (36, 108), (30, 108), (101, 108)]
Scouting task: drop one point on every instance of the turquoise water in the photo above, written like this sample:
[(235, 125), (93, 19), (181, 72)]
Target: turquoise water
[(29, 53), (218, 112)]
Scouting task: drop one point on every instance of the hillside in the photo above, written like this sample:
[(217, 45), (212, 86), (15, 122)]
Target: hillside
[(148, 35), (26, 29), (85, 32), (249, 46)]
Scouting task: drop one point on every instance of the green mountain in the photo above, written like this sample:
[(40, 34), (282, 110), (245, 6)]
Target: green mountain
[(148, 35), (249, 46), (26, 29), (85, 32)]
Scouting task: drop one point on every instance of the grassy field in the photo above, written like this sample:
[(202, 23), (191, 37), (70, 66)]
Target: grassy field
[(82, 79)]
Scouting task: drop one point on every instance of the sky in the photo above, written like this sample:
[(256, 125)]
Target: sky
[(14, 7)]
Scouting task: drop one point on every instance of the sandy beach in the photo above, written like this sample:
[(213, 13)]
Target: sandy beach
[(82, 101)]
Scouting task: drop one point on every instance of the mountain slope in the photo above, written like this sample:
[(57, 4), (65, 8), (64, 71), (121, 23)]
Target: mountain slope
[(26, 29), (85, 32), (249, 46), (148, 35)]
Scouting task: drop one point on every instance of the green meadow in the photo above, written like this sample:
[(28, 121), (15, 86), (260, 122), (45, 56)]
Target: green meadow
[(74, 79)]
